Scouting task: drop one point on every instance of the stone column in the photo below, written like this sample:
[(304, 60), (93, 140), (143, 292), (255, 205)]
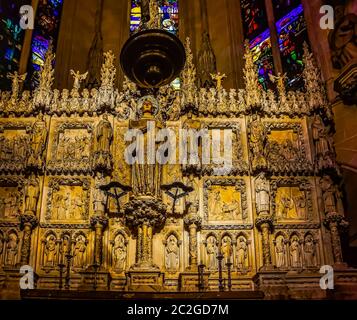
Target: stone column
[(336, 223), (193, 223), (139, 245), (99, 224), (28, 223), (265, 225)]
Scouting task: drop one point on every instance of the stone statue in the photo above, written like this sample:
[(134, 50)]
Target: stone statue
[(79, 252), (12, 249), (280, 252), (219, 79), (172, 253), (295, 252), (119, 253), (212, 252), (32, 193), (50, 252), (257, 140), (227, 249), (262, 198), (38, 141), (309, 251), (104, 135), (323, 144), (99, 199), (242, 254), (78, 78), (16, 79), (328, 195)]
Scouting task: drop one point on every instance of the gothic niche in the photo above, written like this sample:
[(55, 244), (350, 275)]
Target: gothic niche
[(243, 264), (295, 252), (211, 245), (172, 253), (280, 251), (50, 252), (310, 251), (67, 201), (12, 249), (119, 253), (80, 252), (227, 250)]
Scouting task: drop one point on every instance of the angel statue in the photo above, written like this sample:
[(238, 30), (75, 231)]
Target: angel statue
[(78, 78)]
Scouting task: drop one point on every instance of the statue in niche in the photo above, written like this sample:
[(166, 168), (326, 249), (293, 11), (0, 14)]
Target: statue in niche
[(32, 194), (12, 249), (323, 143), (79, 252), (212, 252), (262, 198), (280, 252), (257, 143), (309, 251), (65, 248), (242, 254), (50, 252), (119, 253), (38, 141), (99, 198), (104, 135), (227, 249), (329, 194), (172, 253), (295, 252)]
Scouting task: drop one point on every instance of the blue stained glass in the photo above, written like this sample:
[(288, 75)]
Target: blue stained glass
[(169, 11), (292, 34), (11, 39), (46, 32)]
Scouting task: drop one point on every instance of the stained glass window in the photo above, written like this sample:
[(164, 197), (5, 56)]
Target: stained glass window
[(46, 32), (283, 7), (256, 29), (292, 33), (263, 58), (11, 39), (169, 15), (254, 18)]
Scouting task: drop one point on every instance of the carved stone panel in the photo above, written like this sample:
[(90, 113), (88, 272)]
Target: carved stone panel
[(225, 200), (71, 147), (285, 148), (11, 197), (292, 200), (14, 145), (68, 200)]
